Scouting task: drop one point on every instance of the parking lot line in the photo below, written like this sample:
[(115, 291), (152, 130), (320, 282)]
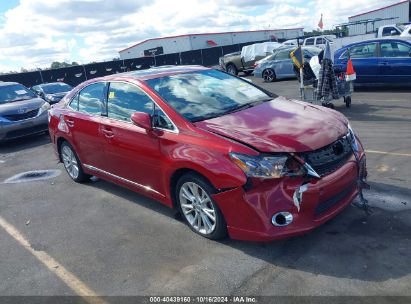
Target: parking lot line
[(55, 267), (388, 153)]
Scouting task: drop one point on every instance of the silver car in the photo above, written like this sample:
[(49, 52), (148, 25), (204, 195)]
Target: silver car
[(279, 65), (21, 112)]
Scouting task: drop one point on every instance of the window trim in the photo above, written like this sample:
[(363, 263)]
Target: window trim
[(175, 130)]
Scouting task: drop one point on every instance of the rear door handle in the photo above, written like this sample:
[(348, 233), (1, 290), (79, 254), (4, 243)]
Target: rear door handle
[(108, 133), (384, 63)]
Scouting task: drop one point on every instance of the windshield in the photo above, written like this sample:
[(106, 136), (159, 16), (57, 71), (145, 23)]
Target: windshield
[(401, 27), (56, 88), (206, 94), (15, 92)]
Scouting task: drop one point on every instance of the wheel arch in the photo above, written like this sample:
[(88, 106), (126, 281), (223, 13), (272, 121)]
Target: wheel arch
[(175, 177)]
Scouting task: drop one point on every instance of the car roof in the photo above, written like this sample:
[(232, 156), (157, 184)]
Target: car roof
[(402, 39), (51, 83), (8, 83), (156, 72)]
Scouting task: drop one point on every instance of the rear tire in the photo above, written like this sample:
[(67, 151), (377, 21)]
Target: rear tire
[(200, 212), (269, 75), (232, 69), (72, 163)]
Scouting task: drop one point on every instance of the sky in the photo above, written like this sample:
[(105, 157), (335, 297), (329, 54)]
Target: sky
[(34, 33)]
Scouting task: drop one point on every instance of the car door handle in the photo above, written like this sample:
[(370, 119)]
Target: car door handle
[(384, 63), (70, 122), (108, 133)]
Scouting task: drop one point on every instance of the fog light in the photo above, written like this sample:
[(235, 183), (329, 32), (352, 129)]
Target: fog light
[(282, 219)]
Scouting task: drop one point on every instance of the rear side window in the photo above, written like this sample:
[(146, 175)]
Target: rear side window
[(309, 41), (125, 99), (90, 99), (395, 49), (283, 55), (74, 103)]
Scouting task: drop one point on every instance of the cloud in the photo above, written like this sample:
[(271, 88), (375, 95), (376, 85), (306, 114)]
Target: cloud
[(37, 32)]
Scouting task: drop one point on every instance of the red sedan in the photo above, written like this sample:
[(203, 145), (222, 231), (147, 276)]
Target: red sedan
[(232, 157)]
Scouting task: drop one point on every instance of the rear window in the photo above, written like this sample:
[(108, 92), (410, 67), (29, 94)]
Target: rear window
[(14, 92)]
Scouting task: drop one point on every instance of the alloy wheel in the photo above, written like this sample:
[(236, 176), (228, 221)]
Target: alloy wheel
[(269, 75), (197, 208), (70, 162)]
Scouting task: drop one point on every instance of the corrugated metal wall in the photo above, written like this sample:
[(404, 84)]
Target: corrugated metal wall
[(199, 42), (401, 10)]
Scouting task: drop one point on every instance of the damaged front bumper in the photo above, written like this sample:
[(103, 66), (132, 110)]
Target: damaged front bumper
[(306, 203)]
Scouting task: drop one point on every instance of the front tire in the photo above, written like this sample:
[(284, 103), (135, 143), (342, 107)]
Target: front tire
[(200, 212), (72, 163), (269, 75)]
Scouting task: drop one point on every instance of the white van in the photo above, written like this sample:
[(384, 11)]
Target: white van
[(319, 41)]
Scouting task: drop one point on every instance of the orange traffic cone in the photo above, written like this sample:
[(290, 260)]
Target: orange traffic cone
[(350, 74)]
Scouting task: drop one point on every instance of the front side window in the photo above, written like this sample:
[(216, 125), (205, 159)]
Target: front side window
[(363, 50), (14, 92), (395, 49), (206, 94), (320, 41), (124, 99), (91, 98), (161, 121)]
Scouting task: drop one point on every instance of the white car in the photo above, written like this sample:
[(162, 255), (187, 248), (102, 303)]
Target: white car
[(407, 31)]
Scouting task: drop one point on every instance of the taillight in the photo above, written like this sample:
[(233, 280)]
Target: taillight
[(62, 126)]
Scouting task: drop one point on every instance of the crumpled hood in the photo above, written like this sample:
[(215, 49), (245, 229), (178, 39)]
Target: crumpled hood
[(20, 107), (280, 125)]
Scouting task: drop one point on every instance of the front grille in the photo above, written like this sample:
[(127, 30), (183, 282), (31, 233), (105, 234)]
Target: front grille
[(27, 115), (331, 202), (329, 158)]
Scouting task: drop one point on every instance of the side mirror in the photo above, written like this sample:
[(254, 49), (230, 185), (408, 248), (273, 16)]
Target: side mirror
[(142, 120)]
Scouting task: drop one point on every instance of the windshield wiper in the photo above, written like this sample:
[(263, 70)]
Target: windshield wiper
[(230, 110), (246, 106)]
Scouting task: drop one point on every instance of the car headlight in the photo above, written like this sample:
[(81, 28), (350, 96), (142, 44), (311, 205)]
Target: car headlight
[(267, 166), (44, 107)]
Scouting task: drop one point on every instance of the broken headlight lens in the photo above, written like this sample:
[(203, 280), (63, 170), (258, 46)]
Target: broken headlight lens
[(266, 166)]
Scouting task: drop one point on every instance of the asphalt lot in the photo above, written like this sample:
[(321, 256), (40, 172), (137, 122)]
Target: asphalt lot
[(62, 238)]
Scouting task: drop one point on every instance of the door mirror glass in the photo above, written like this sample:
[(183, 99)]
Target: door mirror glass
[(142, 120)]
